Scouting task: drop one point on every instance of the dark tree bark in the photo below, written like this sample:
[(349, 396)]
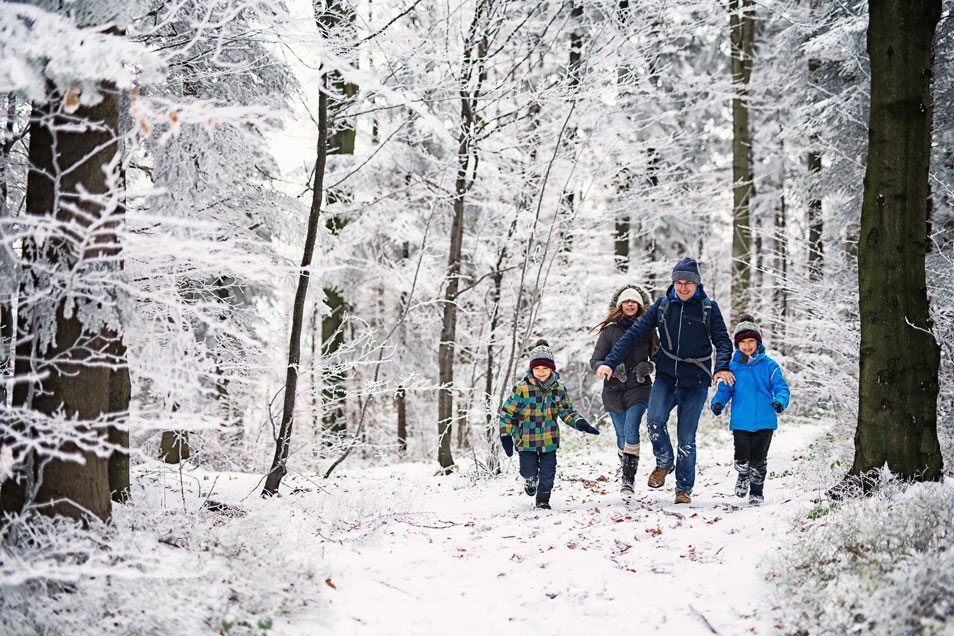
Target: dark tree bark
[(816, 224), (333, 391), (278, 470), (120, 392), (7, 328), (473, 66), (781, 262), (69, 153), (341, 141), (174, 447), (898, 382), (400, 403), (742, 30)]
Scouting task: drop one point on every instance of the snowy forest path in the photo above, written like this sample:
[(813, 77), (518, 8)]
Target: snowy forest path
[(477, 558)]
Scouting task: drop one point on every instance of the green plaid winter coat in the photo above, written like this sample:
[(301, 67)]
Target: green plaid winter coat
[(530, 414)]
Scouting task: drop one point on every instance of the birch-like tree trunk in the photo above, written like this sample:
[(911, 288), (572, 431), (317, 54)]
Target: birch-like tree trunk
[(898, 380)]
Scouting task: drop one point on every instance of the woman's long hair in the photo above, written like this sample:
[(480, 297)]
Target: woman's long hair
[(616, 314)]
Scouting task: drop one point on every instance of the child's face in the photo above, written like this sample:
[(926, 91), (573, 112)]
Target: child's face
[(748, 346), (542, 373)]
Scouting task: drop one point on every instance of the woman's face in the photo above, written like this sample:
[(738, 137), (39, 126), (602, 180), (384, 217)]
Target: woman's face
[(748, 346), (542, 373), (630, 307)]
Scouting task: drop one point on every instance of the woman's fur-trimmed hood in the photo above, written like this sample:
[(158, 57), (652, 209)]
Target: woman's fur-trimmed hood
[(647, 299)]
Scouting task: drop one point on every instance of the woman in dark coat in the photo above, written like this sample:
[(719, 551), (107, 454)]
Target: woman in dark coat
[(626, 394)]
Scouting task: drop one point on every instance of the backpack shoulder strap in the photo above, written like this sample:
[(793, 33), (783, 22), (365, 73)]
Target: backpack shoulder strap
[(661, 318), (707, 317)]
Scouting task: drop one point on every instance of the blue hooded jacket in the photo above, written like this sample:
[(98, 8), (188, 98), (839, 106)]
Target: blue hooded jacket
[(757, 383), (686, 326)]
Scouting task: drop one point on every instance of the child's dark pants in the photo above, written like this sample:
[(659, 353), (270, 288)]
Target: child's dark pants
[(533, 464), (751, 449)]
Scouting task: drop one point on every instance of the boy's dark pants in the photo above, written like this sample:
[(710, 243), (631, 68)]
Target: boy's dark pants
[(751, 449), (533, 464)]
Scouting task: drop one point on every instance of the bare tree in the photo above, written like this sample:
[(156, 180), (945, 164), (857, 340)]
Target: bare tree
[(742, 28), (471, 79)]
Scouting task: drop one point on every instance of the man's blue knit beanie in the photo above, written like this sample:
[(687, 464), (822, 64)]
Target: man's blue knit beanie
[(687, 269)]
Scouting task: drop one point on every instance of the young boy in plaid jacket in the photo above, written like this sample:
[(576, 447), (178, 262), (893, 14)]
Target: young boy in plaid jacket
[(528, 420)]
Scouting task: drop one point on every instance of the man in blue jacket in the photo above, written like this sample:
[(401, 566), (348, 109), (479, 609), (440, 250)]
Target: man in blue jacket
[(690, 324)]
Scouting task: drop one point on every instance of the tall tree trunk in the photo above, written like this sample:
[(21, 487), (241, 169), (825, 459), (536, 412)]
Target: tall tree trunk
[(400, 397), (400, 403), (472, 66), (341, 141), (334, 422), (781, 261), (898, 382), (816, 224), (70, 155), (7, 328), (742, 28), (279, 468)]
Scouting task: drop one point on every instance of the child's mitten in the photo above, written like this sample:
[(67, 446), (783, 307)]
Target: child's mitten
[(717, 408), (777, 406), (585, 427), (507, 442), (643, 369)]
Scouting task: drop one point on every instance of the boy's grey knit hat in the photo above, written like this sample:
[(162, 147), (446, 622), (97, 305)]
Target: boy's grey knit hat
[(541, 355), (747, 328)]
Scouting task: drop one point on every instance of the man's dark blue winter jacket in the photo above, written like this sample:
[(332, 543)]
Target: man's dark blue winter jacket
[(686, 326)]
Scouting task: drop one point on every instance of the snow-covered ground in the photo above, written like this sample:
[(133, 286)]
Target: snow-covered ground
[(472, 558), (396, 549)]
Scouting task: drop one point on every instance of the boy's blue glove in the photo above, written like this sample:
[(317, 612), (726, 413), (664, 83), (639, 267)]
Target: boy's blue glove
[(507, 442), (586, 428), (777, 406), (717, 408)]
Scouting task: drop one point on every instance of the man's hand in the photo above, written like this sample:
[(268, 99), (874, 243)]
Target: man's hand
[(720, 376), (604, 372)]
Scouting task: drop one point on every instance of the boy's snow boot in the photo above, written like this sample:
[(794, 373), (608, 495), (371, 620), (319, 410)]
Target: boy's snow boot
[(742, 483), (543, 500), (530, 486), (756, 486), (630, 465)]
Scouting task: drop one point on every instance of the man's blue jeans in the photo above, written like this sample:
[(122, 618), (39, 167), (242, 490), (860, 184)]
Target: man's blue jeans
[(688, 402), (626, 424), (534, 464)]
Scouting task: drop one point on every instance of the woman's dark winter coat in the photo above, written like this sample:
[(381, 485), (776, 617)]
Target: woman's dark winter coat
[(617, 395)]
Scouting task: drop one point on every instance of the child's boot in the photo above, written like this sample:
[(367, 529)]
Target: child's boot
[(742, 483), (543, 500), (530, 485), (756, 486)]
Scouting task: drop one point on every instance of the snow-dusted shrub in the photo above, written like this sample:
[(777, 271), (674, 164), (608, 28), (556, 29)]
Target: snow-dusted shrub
[(878, 565)]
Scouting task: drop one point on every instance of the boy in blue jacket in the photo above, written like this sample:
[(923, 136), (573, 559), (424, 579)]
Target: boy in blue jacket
[(759, 394)]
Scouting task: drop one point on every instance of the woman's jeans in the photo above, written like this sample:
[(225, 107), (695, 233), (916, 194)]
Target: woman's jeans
[(688, 402), (626, 424)]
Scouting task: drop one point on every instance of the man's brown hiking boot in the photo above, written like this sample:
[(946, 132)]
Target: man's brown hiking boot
[(657, 478), (682, 498)]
